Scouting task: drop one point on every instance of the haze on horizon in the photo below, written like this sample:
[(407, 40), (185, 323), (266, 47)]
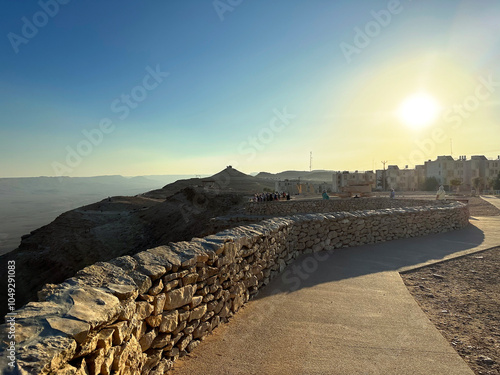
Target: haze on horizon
[(105, 88)]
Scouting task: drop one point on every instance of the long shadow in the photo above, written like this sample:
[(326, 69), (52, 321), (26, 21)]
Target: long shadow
[(309, 270)]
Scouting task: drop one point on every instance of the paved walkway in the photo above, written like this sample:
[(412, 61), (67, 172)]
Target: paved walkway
[(346, 313)]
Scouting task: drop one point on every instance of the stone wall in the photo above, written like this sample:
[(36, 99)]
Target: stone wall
[(292, 207), (136, 315)]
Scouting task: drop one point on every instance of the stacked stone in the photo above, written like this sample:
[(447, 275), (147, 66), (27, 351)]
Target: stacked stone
[(283, 208), (137, 315)]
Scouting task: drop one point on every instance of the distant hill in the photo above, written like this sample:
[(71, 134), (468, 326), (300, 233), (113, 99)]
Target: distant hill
[(317, 175), (229, 180)]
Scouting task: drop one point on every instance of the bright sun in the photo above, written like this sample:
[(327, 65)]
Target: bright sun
[(419, 110)]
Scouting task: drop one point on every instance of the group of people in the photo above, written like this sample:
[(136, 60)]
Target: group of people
[(266, 197)]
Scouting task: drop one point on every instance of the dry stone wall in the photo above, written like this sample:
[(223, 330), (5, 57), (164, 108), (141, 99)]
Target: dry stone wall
[(137, 315), (292, 207)]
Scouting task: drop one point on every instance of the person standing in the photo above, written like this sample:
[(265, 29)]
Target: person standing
[(441, 194)]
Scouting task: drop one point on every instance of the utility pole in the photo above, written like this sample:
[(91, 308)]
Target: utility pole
[(451, 146), (383, 175), (310, 161)]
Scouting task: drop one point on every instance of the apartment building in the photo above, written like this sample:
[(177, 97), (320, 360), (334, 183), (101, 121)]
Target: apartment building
[(346, 178), (478, 169)]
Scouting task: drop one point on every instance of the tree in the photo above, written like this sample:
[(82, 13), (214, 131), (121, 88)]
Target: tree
[(431, 184), (456, 182), (382, 182), (477, 182), (496, 182)]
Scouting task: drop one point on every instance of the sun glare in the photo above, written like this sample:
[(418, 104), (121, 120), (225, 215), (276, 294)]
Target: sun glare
[(419, 110)]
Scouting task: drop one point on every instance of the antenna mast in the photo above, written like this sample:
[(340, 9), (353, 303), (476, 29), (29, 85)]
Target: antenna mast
[(383, 175)]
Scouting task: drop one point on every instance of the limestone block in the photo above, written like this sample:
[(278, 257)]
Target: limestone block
[(129, 355), (152, 360), (184, 342), (180, 327), (120, 331), (173, 354), (154, 320), (159, 303), (156, 288), (184, 315), (45, 355), (143, 310), (95, 361), (105, 339), (190, 279), (170, 285), (107, 364), (195, 301), (142, 281), (127, 263), (139, 328), (162, 367), (215, 322), (179, 297), (147, 340), (251, 281), (202, 330), (73, 328), (93, 306), (123, 291), (127, 310), (193, 344), (208, 316), (171, 276), (161, 341), (191, 327), (224, 312), (208, 298), (169, 321)]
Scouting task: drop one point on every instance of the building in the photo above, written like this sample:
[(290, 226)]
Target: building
[(443, 169), (298, 186), (401, 179), (346, 178), (477, 172), (491, 171)]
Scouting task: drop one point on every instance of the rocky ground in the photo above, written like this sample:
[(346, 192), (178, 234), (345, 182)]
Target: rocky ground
[(109, 229), (479, 207), (462, 298)]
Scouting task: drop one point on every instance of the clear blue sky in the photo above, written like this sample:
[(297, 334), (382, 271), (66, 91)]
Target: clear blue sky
[(231, 70)]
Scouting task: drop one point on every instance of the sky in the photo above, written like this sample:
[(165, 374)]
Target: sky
[(188, 87)]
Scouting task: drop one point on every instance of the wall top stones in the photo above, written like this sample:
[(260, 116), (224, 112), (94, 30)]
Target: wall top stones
[(292, 207)]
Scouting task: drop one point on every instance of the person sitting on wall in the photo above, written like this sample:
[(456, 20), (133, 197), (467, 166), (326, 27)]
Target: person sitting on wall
[(441, 194), (393, 194), (325, 195)]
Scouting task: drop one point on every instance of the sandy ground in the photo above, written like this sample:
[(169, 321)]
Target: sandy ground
[(462, 298)]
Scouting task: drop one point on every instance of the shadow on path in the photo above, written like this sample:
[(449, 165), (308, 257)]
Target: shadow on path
[(312, 269)]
